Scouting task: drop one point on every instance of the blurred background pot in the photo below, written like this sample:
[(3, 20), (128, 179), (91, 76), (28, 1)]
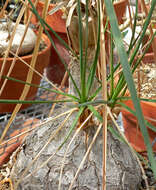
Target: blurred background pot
[(13, 89), (132, 130), (55, 70), (7, 148), (55, 21), (120, 10)]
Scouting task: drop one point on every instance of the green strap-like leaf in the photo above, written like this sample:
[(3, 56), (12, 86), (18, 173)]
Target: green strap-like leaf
[(111, 66), (144, 29), (80, 44), (37, 86), (129, 79), (84, 62), (7, 101), (148, 100)]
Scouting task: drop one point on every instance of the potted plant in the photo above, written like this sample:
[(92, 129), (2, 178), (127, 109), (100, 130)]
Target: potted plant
[(69, 136), (19, 69)]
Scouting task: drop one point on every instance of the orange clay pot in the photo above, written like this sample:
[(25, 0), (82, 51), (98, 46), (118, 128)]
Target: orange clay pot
[(7, 148), (55, 21), (58, 24), (140, 8), (148, 58), (56, 70), (132, 130), (146, 40), (13, 89), (120, 10)]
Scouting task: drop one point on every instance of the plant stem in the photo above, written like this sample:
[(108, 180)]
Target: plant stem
[(104, 91)]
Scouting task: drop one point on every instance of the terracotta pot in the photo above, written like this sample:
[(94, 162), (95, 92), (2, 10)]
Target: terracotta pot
[(146, 40), (140, 8), (120, 10), (57, 23), (148, 58), (7, 150), (132, 131), (13, 89), (56, 70)]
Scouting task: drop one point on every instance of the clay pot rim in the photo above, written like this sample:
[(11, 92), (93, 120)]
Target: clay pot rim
[(120, 2), (50, 5), (143, 102), (62, 29), (48, 46), (148, 58), (54, 4), (153, 104)]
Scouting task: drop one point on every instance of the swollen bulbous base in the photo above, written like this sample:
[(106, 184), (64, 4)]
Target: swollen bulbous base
[(123, 171)]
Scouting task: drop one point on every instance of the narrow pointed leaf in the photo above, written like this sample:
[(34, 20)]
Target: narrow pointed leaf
[(129, 79)]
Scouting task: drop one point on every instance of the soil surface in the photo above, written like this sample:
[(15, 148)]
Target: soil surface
[(145, 79)]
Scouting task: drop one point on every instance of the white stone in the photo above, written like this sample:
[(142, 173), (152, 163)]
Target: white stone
[(5, 35)]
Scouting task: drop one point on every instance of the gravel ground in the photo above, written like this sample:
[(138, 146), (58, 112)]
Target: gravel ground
[(145, 79)]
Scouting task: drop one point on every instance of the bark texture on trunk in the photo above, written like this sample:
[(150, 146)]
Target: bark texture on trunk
[(123, 171)]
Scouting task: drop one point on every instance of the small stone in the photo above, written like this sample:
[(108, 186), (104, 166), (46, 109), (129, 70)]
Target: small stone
[(6, 30)]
